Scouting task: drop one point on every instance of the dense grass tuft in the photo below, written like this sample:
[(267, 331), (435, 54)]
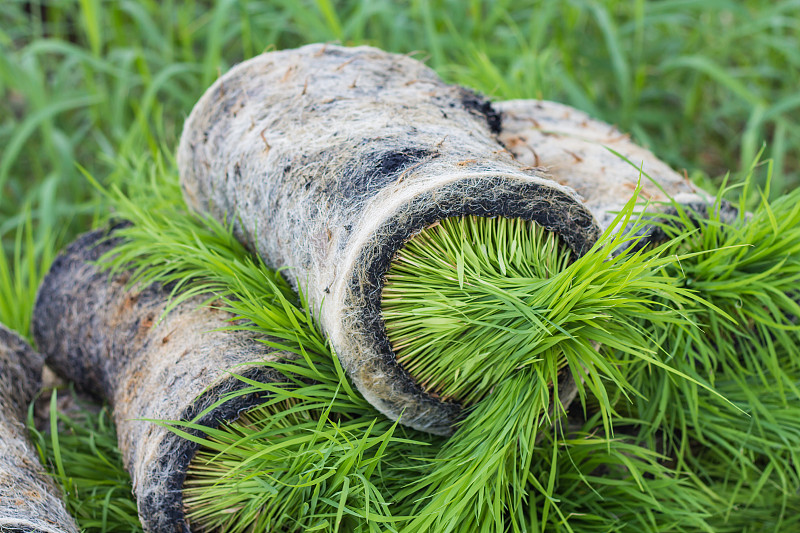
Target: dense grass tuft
[(492, 312)]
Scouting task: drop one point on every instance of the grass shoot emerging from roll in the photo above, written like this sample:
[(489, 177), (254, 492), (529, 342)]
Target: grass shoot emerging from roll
[(315, 457), (457, 302), (596, 484), (493, 313), (749, 270)]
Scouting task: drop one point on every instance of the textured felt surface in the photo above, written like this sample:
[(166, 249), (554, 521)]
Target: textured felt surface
[(29, 499), (575, 150), (113, 342), (328, 159)]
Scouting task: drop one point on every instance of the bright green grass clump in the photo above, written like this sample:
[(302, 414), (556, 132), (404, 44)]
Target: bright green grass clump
[(471, 301), (492, 312), (748, 269), (21, 271), (592, 484), (457, 302), (315, 457)]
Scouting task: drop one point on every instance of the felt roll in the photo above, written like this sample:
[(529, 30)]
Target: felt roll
[(115, 342), (29, 499), (573, 149), (576, 150), (326, 160)]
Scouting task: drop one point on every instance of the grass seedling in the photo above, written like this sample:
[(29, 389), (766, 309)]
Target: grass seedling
[(315, 457), (603, 485), (493, 313), (748, 269), (21, 271), (81, 449)]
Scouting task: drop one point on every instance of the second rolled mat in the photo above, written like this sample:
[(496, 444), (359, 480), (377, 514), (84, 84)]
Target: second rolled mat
[(115, 342), (327, 160), (29, 500), (576, 150)]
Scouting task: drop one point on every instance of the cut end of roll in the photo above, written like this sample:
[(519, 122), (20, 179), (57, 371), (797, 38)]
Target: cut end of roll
[(384, 382), (457, 302), (118, 341)]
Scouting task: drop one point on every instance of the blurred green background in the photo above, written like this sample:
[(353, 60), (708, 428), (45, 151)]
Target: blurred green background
[(99, 87)]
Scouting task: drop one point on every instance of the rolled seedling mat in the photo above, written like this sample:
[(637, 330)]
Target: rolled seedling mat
[(326, 160), (574, 149), (115, 342), (29, 499)]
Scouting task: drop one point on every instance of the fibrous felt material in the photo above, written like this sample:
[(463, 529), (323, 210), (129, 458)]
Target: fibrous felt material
[(326, 160), (575, 150), (30, 501), (115, 342)]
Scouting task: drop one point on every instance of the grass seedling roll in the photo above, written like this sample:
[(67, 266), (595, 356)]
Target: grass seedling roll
[(326, 160), (318, 456), (29, 500), (115, 341)]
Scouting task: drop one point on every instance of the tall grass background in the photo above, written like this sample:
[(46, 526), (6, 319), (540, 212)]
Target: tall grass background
[(702, 83), (101, 88)]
